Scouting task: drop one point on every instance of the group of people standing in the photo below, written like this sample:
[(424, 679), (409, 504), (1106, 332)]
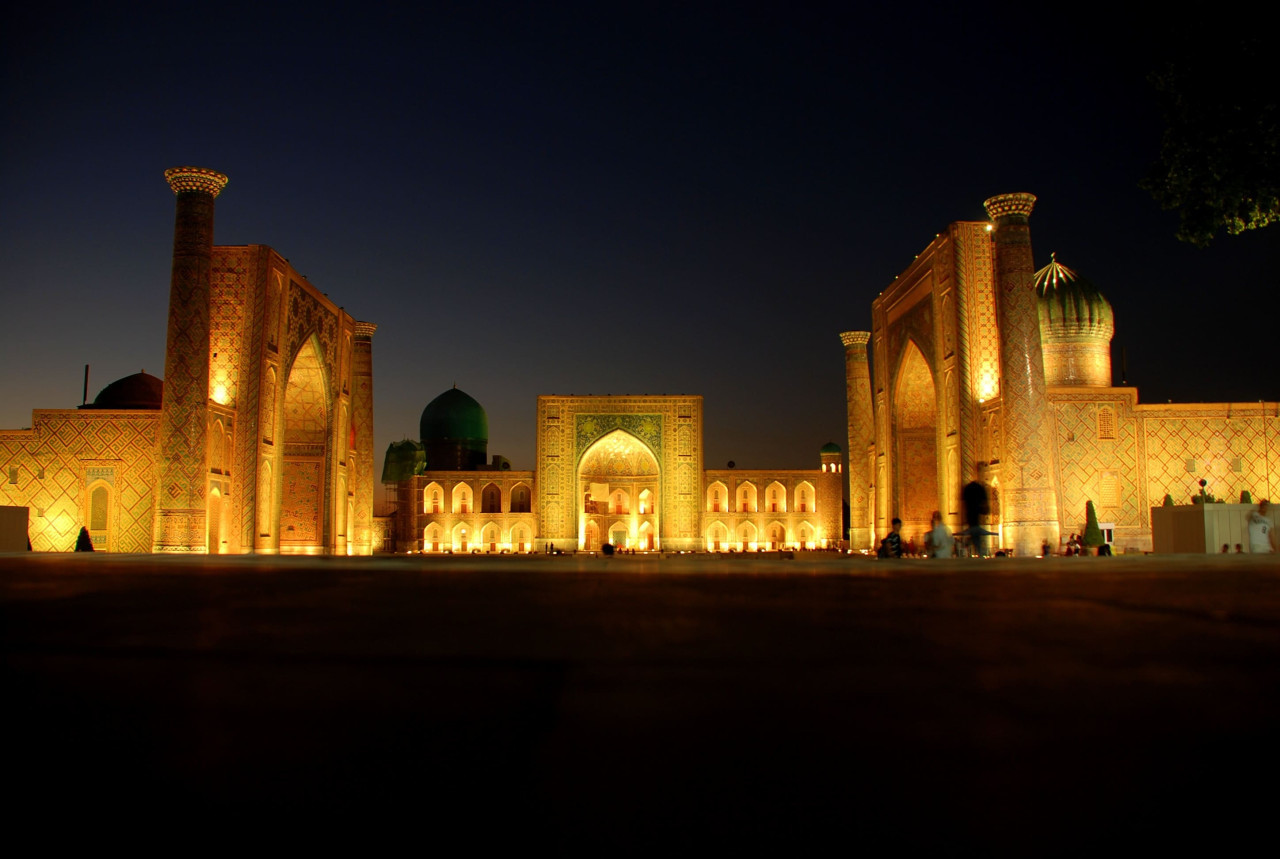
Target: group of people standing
[(939, 542)]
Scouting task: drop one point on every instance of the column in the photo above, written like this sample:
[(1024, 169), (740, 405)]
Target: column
[(182, 464), (857, 373), (361, 530), (1028, 504)]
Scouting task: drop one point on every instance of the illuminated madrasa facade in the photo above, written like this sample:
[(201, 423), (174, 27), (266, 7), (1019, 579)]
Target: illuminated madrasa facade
[(976, 357), (259, 439), (621, 470)]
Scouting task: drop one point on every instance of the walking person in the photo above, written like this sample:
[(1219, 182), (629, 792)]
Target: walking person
[(976, 504), (1262, 532)]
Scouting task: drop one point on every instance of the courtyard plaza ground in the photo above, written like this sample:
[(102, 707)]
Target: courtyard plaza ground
[(632, 703)]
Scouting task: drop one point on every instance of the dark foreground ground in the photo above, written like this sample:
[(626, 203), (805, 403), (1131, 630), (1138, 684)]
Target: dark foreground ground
[(633, 704)]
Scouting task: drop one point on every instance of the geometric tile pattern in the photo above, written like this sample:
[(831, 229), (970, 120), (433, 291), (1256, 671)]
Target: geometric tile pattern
[(670, 426), (1030, 509), (229, 311), (1219, 441), (1085, 461), (183, 458), (362, 418), (64, 452), (861, 435)]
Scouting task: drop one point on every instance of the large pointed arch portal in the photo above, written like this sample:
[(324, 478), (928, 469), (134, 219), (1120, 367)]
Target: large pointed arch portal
[(614, 474), (915, 431), (305, 438)]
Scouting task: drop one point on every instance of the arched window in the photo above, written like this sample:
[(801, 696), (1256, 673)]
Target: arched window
[(461, 499), (431, 498), (717, 493), (491, 499), (520, 499), (98, 509), (776, 498)]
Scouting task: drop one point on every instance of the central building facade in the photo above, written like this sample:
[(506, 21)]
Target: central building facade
[(620, 470)]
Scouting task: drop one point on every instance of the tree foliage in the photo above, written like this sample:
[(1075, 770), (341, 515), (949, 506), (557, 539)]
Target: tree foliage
[(1219, 164), (1092, 533)]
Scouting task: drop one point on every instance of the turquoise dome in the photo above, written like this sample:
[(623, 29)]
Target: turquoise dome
[(831, 447), (453, 416)]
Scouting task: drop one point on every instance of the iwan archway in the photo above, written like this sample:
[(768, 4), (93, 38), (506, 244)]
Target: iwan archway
[(915, 433), (304, 477), (645, 450), (614, 474)]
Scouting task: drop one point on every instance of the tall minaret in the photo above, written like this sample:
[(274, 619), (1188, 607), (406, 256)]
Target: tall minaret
[(1028, 505), (361, 530), (857, 374), (182, 466)]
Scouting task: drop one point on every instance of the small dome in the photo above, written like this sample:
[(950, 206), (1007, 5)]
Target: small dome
[(1071, 305), (404, 459), (831, 447), (454, 416), (139, 391)]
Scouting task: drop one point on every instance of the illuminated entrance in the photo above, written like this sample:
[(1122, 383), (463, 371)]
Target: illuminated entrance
[(306, 433), (915, 417), (618, 480)]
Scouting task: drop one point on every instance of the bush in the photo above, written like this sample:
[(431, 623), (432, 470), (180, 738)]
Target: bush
[(1168, 500), (1245, 497), (1092, 533)]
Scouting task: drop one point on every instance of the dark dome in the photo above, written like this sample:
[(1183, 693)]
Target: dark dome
[(453, 416), (831, 447), (139, 391)]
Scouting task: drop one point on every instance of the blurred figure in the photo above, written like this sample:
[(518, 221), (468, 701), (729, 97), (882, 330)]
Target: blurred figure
[(1262, 533), (891, 545), (976, 504), (84, 543), (938, 542)]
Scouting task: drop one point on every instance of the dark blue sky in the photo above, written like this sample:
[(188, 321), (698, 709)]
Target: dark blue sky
[(596, 199)]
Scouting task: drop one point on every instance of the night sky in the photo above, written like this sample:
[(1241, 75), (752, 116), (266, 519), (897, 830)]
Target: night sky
[(686, 199)]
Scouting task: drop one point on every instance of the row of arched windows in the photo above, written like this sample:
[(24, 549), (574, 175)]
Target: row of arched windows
[(747, 499), (489, 537), (461, 500)]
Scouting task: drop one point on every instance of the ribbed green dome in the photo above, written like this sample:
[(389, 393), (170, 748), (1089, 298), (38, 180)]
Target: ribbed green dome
[(453, 416), (1071, 305), (831, 447)]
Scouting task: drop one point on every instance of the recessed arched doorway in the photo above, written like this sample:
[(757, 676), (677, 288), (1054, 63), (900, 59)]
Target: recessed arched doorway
[(915, 432), (306, 439), (617, 469)]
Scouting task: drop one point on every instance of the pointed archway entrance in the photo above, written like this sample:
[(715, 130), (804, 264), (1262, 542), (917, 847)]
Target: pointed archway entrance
[(915, 433), (618, 480), (305, 437)]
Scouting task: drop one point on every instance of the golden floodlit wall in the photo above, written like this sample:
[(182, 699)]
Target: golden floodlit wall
[(939, 404), (263, 440), (666, 430), (75, 467)]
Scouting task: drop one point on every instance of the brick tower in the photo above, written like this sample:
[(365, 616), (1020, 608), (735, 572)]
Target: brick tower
[(361, 530), (1028, 504), (857, 374), (182, 462)]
